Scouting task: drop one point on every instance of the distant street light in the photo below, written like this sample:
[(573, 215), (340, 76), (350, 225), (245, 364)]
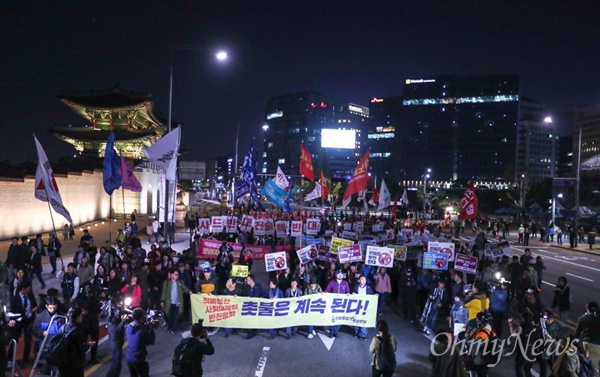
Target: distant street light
[(548, 119), (222, 56)]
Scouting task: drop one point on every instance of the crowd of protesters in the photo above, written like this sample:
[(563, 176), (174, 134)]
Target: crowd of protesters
[(479, 306)]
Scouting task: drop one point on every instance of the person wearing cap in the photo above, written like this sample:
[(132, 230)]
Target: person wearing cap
[(408, 289), (312, 289), (340, 286), (208, 283), (531, 303), (138, 337), (480, 335)]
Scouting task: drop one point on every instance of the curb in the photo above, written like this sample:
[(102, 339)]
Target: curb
[(589, 252)]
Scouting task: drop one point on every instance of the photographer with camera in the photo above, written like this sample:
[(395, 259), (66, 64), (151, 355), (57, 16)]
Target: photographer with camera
[(189, 354), (139, 335), (116, 335), (6, 326)]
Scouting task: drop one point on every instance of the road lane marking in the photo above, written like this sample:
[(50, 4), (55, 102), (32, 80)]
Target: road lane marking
[(327, 341), (577, 276), (550, 284), (575, 264), (262, 361)]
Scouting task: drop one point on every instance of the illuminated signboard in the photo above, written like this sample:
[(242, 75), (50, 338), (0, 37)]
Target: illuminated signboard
[(418, 81), (276, 114), (358, 109), (376, 100), (334, 138)]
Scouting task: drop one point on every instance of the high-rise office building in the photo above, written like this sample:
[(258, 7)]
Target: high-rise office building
[(331, 130), (587, 122)]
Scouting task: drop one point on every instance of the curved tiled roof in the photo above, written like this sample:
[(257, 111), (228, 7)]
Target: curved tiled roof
[(91, 134), (107, 99)]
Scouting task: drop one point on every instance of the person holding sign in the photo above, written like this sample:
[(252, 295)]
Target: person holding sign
[(312, 289), (274, 293), (293, 291), (337, 285), (230, 290), (362, 289)]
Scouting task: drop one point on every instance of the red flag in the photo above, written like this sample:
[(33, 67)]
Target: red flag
[(375, 198), (394, 206), (306, 165), (360, 178), (324, 188), (468, 204)]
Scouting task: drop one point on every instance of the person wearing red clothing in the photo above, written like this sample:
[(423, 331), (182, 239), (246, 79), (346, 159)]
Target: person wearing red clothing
[(133, 291)]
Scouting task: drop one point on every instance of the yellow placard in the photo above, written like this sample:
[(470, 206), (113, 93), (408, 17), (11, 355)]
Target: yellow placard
[(399, 252), (337, 242), (326, 309), (239, 271)]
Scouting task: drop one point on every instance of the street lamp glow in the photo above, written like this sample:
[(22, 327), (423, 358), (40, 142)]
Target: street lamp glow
[(222, 56), (548, 119), (265, 127)]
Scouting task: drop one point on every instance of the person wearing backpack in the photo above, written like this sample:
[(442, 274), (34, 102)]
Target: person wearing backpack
[(383, 346), (189, 354), (139, 336)]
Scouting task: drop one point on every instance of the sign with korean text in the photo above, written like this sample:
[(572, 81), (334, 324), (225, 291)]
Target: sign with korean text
[(350, 235), (261, 313), (246, 224), (389, 234), (308, 253), (239, 270), (399, 252), (259, 227), (281, 228), (348, 226), (379, 256), (442, 247), (231, 224), (359, 226), (337, 242), (466, 263), (210, 249), (435, 261), (204, 225), (349, 254), (275, 261), (217, 223), (407, 233), (377, 227), (324, 254), (296, 229), (312, 226), (269, 227), (498, 249)]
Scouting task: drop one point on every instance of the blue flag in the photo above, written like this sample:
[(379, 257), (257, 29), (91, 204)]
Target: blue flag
[(111, 166), (247, 182), (274, 193), (286, 202)]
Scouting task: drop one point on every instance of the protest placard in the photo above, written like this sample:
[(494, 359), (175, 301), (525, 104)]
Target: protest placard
[(323, 254), (359, 226), (379, 256), (296, 229), (247, 223), (269, 227), (308, 253), (349, 254), (217, 223), (498, 249), (399, 252), (238, 270), (466, 263), (312, 226), (204, 225), (275, 261), (337, 242), (435, 261), (231, 226), (281, 228), (350, 235), (442, 247)]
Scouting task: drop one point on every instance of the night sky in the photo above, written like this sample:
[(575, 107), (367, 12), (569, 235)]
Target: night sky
[(349, 50)]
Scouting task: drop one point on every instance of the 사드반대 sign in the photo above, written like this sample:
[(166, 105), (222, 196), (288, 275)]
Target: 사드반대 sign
[(379, 256), (296, 229), (442, 247), (275, 261), (435, 261)]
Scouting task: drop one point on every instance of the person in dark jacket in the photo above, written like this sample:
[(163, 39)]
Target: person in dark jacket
[(198, 348), (25, 304), (562, 299), (42, 328), (139, 336), (35, 265), (252, 289), (15, 259), (116, 335), (77, 345)]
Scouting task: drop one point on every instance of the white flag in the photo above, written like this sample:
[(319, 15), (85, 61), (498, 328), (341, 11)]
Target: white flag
[(315, 193), (346, 202), (281, 180), (46, 188), (164, 153), (384, 197), (404, 199)]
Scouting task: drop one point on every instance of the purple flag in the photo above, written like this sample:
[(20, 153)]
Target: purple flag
[(130, 182)]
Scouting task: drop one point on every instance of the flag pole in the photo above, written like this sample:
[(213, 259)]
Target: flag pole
[(301, 205), (123, 194)]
